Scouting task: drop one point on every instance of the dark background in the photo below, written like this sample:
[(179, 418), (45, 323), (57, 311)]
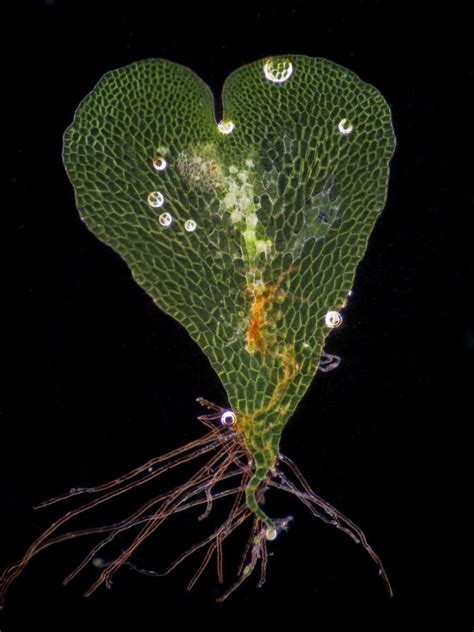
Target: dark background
[(99, 380)]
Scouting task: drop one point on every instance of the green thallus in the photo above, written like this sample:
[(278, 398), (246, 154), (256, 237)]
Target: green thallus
[(248, 232)]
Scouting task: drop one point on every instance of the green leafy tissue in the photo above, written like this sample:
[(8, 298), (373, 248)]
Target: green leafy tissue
[(248, 231)]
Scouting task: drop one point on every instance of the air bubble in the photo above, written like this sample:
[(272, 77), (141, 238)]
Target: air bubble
[(165, 219), (344, 127), (190, 225), (277, 71), (333, 319), (156, 199), (271, 533), (226, 127), (228, 418), (159, 163)]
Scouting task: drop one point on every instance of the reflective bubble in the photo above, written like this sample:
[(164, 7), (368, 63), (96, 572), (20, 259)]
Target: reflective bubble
[(165, 219), (277, 71), (333, 319), (159, 163), (344, 127), (190, 225), (228, 418), (271, 533), (156, 199)]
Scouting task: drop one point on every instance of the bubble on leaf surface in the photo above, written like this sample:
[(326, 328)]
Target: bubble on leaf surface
[(165, 219), (156, 199), (278, 70)]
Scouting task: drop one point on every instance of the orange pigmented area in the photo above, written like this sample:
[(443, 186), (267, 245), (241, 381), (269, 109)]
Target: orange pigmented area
[(261, 337), (262, 297), (289, 368), (259, 320)]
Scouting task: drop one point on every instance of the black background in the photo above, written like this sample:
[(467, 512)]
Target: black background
[(98, 380)]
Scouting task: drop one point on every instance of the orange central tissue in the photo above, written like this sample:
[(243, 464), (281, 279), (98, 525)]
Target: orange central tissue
[(262, 297)]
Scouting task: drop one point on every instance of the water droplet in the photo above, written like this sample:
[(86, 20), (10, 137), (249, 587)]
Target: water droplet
[(228, 418), (190, 225), (159, 163), (226, 127), (344, 127), (156, 199), (333, 319), (165, 219), (277, 71)]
